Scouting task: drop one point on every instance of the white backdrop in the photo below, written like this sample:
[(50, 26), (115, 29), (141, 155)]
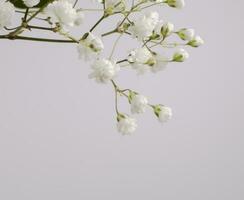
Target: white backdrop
[(58, 138)]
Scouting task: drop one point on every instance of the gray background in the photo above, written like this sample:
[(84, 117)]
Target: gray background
[(57, 128)]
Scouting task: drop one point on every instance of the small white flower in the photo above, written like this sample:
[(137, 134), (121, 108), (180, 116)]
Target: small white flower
[(144, 26), (79, 18), (139, 58), (31, 3), (196, 42), (180, 55), (126, 125), (160, 63), (165, 114), (138, 104), (176, 3), (186, 34), (142, 60), (167, 29), (104, 70), (90, 47), (6, 13), (62, 11)]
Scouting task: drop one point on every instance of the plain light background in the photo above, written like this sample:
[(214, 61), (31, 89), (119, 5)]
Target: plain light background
[(58, 138)]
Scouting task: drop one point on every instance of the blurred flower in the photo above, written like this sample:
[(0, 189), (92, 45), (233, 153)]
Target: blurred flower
[(138, 104), (176, 3), (186, 34), (62, 12), (6, 13), (104, 70), (163, 113), (180, 55), (90, 46), (196, 42), (144, 26), (31, 3), (126, 124)]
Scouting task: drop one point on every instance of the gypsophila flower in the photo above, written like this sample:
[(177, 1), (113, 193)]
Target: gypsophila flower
[(186, 34), (144, 26), (160, 63), (176, 3), (142, 60), (104, 70), (138, 104), (62, 12), (180, 55), (90, 47), (196, 42), (139, 58), (31, 3), (164, 113), (126, 124), (6, 13)]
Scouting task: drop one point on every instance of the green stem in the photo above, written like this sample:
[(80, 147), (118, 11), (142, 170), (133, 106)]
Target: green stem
[(97, 23), (35, 39)]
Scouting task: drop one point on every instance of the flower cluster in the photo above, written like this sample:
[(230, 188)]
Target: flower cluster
[(154, 36)]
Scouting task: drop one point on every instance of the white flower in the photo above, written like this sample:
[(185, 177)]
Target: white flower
[(165, 114), (139, 58), (104, 70), (126, 125), (196, 42), (176, 3), (167, 29), (62, 11), (31, 3), (142, 60), (90, 47), (144, 26), (138, 104), (186, 34), (180, 55), (6, 13), (79, 18), (160, 63)]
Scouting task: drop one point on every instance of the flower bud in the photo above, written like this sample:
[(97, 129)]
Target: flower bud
[(186, 34), (180, 56), (176, 3), (196, 42), (167, 29), (163, 113)]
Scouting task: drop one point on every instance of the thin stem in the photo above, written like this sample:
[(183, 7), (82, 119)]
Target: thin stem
[(26, 14), (114, 46), (97, 23), (40, 27), (109, 33), (76, 1), (116, 96), (121, 61), (35, 39)]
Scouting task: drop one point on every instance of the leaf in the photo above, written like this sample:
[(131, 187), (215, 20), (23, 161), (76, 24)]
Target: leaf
[(20, 4)]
